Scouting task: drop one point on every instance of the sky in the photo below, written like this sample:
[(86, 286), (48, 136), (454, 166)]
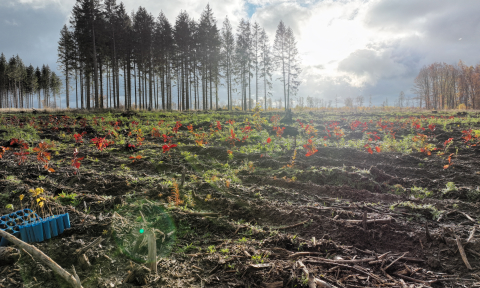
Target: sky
[(348, 48)]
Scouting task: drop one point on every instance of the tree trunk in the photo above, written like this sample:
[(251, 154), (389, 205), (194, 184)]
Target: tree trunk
[(95, 68), (66, 88), (128, 104), (150, 86), (118, 84), (101, 86), (88, 90)]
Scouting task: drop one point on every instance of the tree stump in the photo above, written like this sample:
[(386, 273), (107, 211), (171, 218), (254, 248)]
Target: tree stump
[(8, 255)]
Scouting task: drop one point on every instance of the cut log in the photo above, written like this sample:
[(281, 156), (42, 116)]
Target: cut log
[(8, 255)]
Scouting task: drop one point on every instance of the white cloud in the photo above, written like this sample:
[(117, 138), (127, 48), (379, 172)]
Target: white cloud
[(365, 44), (347, 47)]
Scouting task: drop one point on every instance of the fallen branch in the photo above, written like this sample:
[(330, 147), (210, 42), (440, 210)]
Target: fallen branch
[(202, 214), (462, 252), (293, 226), (356, 268), (71, 279), (470, 237), (414, 280), (312, 281), (298, 254), (467, 216), (473, 252), (393, 262), (344, 261), (378, 221), (94, 243)]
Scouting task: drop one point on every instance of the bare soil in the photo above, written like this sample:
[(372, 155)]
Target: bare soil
[(258, 231)]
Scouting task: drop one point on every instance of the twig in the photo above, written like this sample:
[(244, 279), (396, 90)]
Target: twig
[(143, 218), (356, 268), (322, 283), (470, 237), (72, 280), (379, 221), (462, 252), (393, 262), (343, 261), (467, 216), (29, 255), (294, 255), (211, 214), (294, 225), (414, 280), (473, 252), (311, 280), (94, 243)]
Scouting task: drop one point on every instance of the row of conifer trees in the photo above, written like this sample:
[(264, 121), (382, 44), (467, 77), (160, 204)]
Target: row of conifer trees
[(22, 86), (146, 62)]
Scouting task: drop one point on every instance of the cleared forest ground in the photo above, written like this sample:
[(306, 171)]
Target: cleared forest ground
[(242, 202)]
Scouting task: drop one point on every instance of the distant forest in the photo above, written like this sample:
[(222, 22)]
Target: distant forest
[(444, 86), (19, 85), (104, 44)]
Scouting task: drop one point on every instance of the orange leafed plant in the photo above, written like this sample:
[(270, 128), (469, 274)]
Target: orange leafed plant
[(310, 148), (377, 149), (138, 157), (175, 195), (41, 150), (449, 161), (2, 151)]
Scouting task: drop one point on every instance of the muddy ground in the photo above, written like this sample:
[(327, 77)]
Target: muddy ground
[(352, 218)]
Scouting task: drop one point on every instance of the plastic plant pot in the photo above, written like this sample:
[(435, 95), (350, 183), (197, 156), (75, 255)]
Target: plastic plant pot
[(4, 218), (3, 225), (30, 234), (53, 226), (12, 215), (4, 241), (23, 234), (38, 230), (46, 230), (16, 231), (66, 220), (11, 223), (20, 213), (60, 224)]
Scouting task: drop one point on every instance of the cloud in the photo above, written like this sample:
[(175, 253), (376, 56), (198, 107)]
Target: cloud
[(361, 45), (11, 23), (347, 47)]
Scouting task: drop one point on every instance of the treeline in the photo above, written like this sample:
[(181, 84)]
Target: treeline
[(105, 44), (20, 85), (444, 86)]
